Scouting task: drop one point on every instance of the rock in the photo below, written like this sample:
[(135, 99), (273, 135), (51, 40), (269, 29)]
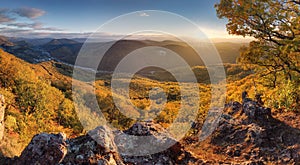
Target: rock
[(176, 154), (233, 151), (104, 137), (246, 156), (100, 147), (250, 133), (229, 151), (250, 109), (97, 147), (142, 129), (256, 134), (233, 107), (154, 138), (258, 99), (103, 162), (253, 162), (254, 109), (245, 132), (2, 110), (237, 153), (211, 122), (290, 154), (79, 157), (244, 95), (44, 149)]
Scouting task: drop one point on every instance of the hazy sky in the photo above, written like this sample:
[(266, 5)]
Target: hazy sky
[(64, 18)]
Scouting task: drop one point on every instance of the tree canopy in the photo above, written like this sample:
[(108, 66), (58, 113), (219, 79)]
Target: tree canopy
[(275, 25)]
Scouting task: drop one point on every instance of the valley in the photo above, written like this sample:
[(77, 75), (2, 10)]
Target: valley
[(39, 98)]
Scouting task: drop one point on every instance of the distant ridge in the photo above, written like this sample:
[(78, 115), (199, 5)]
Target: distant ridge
[(32, 41), (5, 42), (62, 41), (65, 50)]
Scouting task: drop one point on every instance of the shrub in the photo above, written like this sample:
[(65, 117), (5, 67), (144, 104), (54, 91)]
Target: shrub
[(11, 123), (285, 96), (67, 116)]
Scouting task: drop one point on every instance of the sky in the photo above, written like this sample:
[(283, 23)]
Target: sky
[(78, 18)]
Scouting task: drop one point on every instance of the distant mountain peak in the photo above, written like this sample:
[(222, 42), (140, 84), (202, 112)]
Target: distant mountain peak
[(62, 41)]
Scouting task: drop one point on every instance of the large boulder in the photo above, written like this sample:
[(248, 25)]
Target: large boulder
[(175, 154), (44, 149), (143, 138), (97, 147)]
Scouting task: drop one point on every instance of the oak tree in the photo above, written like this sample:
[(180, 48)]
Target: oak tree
[(275, 26)]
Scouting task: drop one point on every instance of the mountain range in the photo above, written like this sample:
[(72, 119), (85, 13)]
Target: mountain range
[(66, 50)]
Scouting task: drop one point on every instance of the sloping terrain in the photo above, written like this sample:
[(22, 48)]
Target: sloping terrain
[(247, 133), (38, 98), (34, 103)]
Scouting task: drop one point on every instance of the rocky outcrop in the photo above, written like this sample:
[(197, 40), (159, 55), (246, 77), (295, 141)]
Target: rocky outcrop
[(97, 147), (2, 110), (248, 133), (254, 109), (176, 154), (44, 149)]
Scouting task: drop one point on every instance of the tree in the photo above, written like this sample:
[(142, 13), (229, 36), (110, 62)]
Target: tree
[(275, 25)]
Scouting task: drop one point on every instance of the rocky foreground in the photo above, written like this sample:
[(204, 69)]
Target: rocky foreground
[(247, 133), (56, 149)]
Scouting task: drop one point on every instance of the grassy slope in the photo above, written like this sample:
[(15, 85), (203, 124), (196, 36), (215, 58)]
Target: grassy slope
[(32, 102), (54, 78)]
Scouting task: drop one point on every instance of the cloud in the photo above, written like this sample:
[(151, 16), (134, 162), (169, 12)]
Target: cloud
[(12, 31), (4, 10), (34, 26), (4, 17), (62, 35), (24, 25), (11, 25), (28, 12), (25, 33), (144, 14), (11, 15), (49, 29)]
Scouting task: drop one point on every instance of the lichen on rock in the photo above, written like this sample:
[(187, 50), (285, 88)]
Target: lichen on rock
[(44, 149)]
